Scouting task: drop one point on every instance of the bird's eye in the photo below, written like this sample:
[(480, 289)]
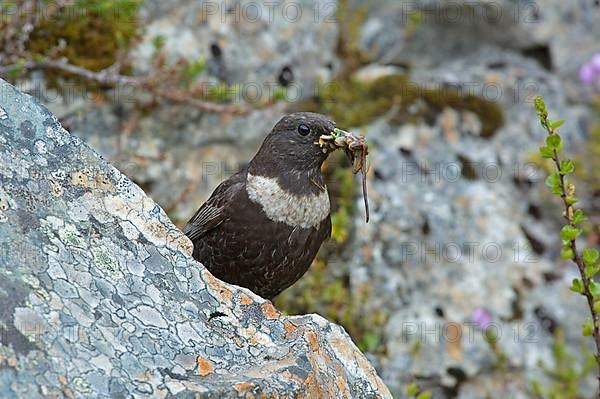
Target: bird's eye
[(303, 129)]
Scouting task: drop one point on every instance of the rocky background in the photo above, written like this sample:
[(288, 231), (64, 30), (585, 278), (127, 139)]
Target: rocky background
[(463, 234)]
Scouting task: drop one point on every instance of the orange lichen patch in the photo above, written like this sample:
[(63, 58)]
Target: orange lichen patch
[(103, 183), (464, 202), (349, 356), (67, 392), (204, 366), (82, 179), (10, 361), (181, 242), (289, 327), (218, 287), (313, 340), (315, 385), (341, 383), (156, 229), (57, 189), (269, 311), (293, 377), (242, 387), (245, 299), (117, 206), (453, 335), (310, 379)]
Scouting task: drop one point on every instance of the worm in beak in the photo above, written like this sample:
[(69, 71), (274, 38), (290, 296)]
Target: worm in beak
[(356, 149)]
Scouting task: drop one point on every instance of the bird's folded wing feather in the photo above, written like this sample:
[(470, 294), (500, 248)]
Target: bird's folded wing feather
[(213, 212)]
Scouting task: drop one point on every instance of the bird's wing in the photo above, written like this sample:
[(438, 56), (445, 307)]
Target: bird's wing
[(213, 212)]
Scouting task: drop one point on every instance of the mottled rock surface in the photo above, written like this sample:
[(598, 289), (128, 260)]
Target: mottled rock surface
[(425, 33), (100, 297), (462, 224)]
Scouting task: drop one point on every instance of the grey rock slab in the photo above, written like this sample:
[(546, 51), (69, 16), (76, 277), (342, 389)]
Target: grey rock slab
[(96, 325)]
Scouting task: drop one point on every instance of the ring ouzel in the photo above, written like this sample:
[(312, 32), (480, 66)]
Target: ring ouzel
[(262, 227)]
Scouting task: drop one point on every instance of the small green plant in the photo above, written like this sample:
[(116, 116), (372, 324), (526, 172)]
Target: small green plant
[(586, 261), (566, 374), (500, 357), (413, 391), (191, 70)]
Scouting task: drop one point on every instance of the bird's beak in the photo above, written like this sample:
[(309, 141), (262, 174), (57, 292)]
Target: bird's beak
[(357, 150), (353, 145)]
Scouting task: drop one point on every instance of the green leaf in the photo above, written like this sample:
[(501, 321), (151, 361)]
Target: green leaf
[(567, 253), (590, 256), (553, 141), (553, 180), (588, 328), (591, 271), (577, 285), (159, 41), (539, 104), (594, 289), (424, 395), (597, 306), (412, 389), (193, 69), (546, 152), (578, 216), (571, 200), (567, 167), (569, 233), (557, 124)]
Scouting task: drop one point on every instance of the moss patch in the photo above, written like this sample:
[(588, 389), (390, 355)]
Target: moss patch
[(354, 103), (348, 47), (88, 33)]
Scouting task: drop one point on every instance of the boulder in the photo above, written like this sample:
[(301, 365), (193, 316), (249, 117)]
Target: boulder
[(101, 298), (462, 226)]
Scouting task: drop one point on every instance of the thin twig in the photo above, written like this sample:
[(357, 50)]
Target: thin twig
[(569, 211), (111, 78)]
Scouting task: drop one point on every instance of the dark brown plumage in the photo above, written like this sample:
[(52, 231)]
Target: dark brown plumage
[(262, 227)]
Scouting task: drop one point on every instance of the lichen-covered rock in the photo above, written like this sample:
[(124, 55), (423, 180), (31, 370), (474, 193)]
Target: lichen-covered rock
[(100, 297), (462, 225)]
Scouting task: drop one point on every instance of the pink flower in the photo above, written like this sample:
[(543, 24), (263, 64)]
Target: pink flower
[(481, 318), (588, 74)]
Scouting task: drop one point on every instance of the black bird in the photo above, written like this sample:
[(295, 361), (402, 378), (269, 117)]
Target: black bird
[(262, 227)]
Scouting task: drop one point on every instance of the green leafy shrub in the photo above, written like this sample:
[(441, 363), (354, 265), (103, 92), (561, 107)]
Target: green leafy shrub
[(587, 261)]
